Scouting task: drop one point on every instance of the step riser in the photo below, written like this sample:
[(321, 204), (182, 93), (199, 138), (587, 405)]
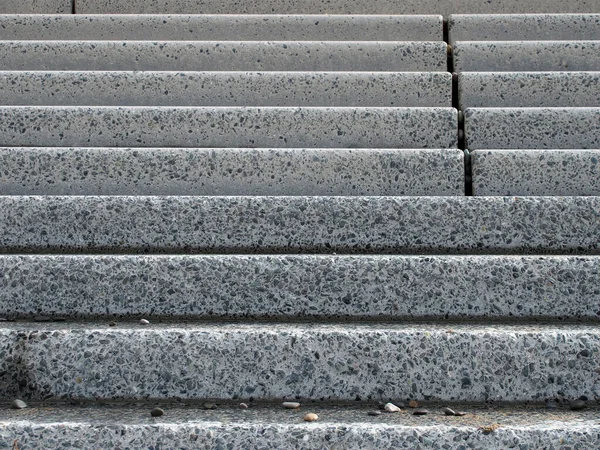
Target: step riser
[(165, 171), (307, 362), (36, 7), (407, 89), (301, 224), (222, 28), (224, 56), (277, 286), (531, 56), (228, 127), (532, 128)]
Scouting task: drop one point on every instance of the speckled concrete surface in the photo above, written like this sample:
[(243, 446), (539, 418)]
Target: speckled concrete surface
[(404, 89), (301, 224), (277, 127), (536, 172), (520, 27), (225, 27), (224, 55), (527, 89), (300, 286), (35, 7), (532, 128), (323, 362), (130, 426), (230, 171), (526, 56)]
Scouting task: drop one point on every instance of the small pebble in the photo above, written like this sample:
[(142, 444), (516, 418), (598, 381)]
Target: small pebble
[(449, 412), (18, 404), (243, 406), (489, 428), (460, 413), (291, 405), (209, 406), (112, 324), (156, 412), (374, 413), (551, 404), (413, 404), (420, 412), (576, 405), (310, 417), (144, 322), (42, 319), (391, 408)]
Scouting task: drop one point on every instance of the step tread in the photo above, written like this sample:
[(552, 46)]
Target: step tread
[(35, 7)]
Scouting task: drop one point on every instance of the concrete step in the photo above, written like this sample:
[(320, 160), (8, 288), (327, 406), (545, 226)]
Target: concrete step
[(300, 224), (36, 6), (528, 89), (291, 287), (536, 172), (226, 27), (266, 426), (532, 128), (277, 127), (524, 27), (230, 171), (305, 361), (526, 56), (224, 55), (406, 89)]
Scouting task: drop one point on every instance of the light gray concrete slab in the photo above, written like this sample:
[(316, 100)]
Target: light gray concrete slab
[(532, 128), (524, 27), (383, 287), (307, 361), (36, 6), (225, 27), (536, 172), (526, 56), (209, 127), (528, 89), (405, 89), (230, 171), (300, 224), (224, 56)]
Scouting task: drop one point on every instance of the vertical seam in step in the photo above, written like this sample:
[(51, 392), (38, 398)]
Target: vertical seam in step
[(73, 6)]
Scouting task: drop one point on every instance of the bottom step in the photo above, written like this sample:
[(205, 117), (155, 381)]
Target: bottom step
[(270, 426)]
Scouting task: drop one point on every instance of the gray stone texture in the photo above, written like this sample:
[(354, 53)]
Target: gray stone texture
[(524, 27), (406, 89), (224, 55), (225, 27), (252, 127), (284, 287), (35, 7), (526, 56), (532, 128), (230, 171), (306, 361), (300, 224), (536, 172), (528, 89)]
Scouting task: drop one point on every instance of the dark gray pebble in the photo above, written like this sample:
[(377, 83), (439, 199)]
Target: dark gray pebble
[(551, 404), (374, 413), (460, 413), (42, 319), (156, 412), (18, 404), (420, 412), (577, 405), (112, 324), (209, 406), (448, 411)]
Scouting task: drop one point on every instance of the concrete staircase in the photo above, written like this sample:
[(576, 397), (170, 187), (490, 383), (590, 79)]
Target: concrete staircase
[(300, 207)]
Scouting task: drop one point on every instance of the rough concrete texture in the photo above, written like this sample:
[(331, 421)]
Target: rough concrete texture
[(304, 361), (224, 55), (300, 286), (230, 171), (300, 224), (250, 127), (532, 128), (334, 6), (526, 89), (536, 172), (526, 56), (36, 6), (264, 426), (406, 89), (222, 28), (524, 27)]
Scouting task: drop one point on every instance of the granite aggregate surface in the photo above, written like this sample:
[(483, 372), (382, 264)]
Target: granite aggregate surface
[(526, 56), (288, 287), (300, 224), (105, 88), (536, 172), (532, 128), (35, 7), (224, 55), (303, 361), (277, 127), (528, 89), (225, 27), (231, 171)]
